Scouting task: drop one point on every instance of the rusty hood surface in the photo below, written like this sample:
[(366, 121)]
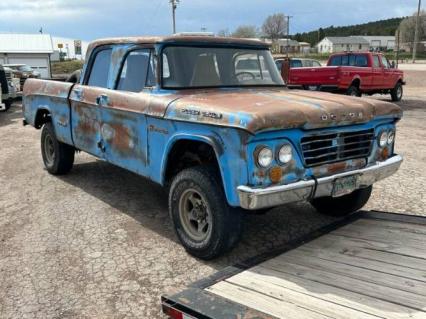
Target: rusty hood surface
[(271, 109)]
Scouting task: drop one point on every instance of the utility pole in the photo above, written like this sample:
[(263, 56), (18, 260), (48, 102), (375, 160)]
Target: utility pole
[(288, 33), (174, 6), (398, 32), (416, 33)]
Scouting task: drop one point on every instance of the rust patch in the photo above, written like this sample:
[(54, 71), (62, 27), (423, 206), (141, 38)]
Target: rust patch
[(275, 174)]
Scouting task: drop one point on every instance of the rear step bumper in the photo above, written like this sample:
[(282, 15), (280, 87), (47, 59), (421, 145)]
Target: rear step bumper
[(257, 198)]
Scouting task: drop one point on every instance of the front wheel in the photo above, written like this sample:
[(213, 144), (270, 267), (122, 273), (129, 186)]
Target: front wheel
[(205, 224), (344, 205), (58, 157), (353, 91), (397, 92)]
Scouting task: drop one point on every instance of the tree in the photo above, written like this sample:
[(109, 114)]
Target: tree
[(245, 31), (407, 27), (223, 33), (275, 26)]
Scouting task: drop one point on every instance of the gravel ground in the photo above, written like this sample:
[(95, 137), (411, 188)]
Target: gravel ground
[(97, 243)]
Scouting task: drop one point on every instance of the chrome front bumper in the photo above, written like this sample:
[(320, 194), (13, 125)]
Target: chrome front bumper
[(256, 198)]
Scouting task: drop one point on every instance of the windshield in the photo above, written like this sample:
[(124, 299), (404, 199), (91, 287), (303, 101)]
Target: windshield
[(196, 67)]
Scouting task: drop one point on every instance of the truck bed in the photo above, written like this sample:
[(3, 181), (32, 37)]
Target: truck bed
[(369, 265)]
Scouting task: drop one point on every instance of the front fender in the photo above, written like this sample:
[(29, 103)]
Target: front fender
[(228, 145)]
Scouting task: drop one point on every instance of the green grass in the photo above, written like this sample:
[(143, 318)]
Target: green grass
[(66, 67)]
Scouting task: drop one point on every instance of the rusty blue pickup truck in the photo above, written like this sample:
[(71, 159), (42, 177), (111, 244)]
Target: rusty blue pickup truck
[(210, 119)]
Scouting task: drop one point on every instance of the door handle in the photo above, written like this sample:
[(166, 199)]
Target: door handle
[(102, 100), (101, 145)]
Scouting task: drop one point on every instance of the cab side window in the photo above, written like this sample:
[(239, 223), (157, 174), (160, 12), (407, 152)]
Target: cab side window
[(138, 71), (385, 62), (376, 62), (100, 69)]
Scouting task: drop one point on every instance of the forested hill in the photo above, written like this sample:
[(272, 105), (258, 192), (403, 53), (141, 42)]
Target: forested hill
[(382, 27)]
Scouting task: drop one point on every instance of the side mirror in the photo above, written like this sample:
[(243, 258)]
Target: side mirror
[(393, 65)]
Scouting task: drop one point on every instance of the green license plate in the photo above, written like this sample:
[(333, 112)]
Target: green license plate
[(343, 186)]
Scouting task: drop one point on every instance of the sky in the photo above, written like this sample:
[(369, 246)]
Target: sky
[(92, 19)]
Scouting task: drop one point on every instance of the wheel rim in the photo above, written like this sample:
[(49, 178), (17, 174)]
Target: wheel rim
[(195, 215), (399, 92), (49, 150)]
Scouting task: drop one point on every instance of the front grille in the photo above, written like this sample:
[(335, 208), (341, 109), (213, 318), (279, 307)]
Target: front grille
[(334, 147)]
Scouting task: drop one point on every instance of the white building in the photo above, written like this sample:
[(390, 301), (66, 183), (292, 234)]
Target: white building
[(31, 49), (68, 48), (341, 44), (381, 43)]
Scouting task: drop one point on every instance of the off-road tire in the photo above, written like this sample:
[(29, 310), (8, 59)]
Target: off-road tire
[(63, 158), (353, 91), (342, 206), (397, 92), (226, 226)]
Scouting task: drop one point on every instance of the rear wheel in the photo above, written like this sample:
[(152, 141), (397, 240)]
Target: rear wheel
[(353, 91), (8, 104), (344, 205), (58, 157), (205, 224), (397, 92)]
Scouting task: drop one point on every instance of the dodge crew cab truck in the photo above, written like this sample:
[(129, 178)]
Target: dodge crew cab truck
[(353, 74), (179, 111)]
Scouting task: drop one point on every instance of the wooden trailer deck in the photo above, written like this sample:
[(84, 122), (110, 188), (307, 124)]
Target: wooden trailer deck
[(372, 265)]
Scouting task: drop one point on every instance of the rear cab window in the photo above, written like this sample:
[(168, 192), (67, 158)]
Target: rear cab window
[(137, 72), (361, 60), (336, 60)]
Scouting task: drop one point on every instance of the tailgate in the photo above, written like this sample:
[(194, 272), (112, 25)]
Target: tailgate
[(369, 265), (327, 75)]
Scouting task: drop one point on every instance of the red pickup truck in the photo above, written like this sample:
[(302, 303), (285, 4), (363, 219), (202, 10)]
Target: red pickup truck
[(350, 73)]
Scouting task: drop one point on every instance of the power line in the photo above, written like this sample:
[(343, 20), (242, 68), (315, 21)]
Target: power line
[(174, 6)]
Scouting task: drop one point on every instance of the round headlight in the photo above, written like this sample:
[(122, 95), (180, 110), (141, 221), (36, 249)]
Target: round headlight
[(391, 137), (383, 139), (285, 154), (265, 156)]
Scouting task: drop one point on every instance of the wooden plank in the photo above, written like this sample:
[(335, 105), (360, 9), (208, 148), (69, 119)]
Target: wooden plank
[(392, 225), (300, 299), (379, 265), (277, 283), (263, 303), (298, 257), (383, 235), (373, 251), (392, 247), (369, 289)]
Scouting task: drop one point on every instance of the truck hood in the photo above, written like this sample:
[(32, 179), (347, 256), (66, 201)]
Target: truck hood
[(272, 109)]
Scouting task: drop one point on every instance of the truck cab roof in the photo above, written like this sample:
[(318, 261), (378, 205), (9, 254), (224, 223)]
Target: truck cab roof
[(179, 39)]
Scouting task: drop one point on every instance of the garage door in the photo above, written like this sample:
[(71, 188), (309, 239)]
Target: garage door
[(39, 64)]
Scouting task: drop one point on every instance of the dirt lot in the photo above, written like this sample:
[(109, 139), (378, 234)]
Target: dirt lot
[(98, 243)]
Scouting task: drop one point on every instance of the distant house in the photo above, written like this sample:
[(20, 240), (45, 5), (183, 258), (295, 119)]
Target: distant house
[(341, 44), (31, 49), (381, 43), (292, 46)]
